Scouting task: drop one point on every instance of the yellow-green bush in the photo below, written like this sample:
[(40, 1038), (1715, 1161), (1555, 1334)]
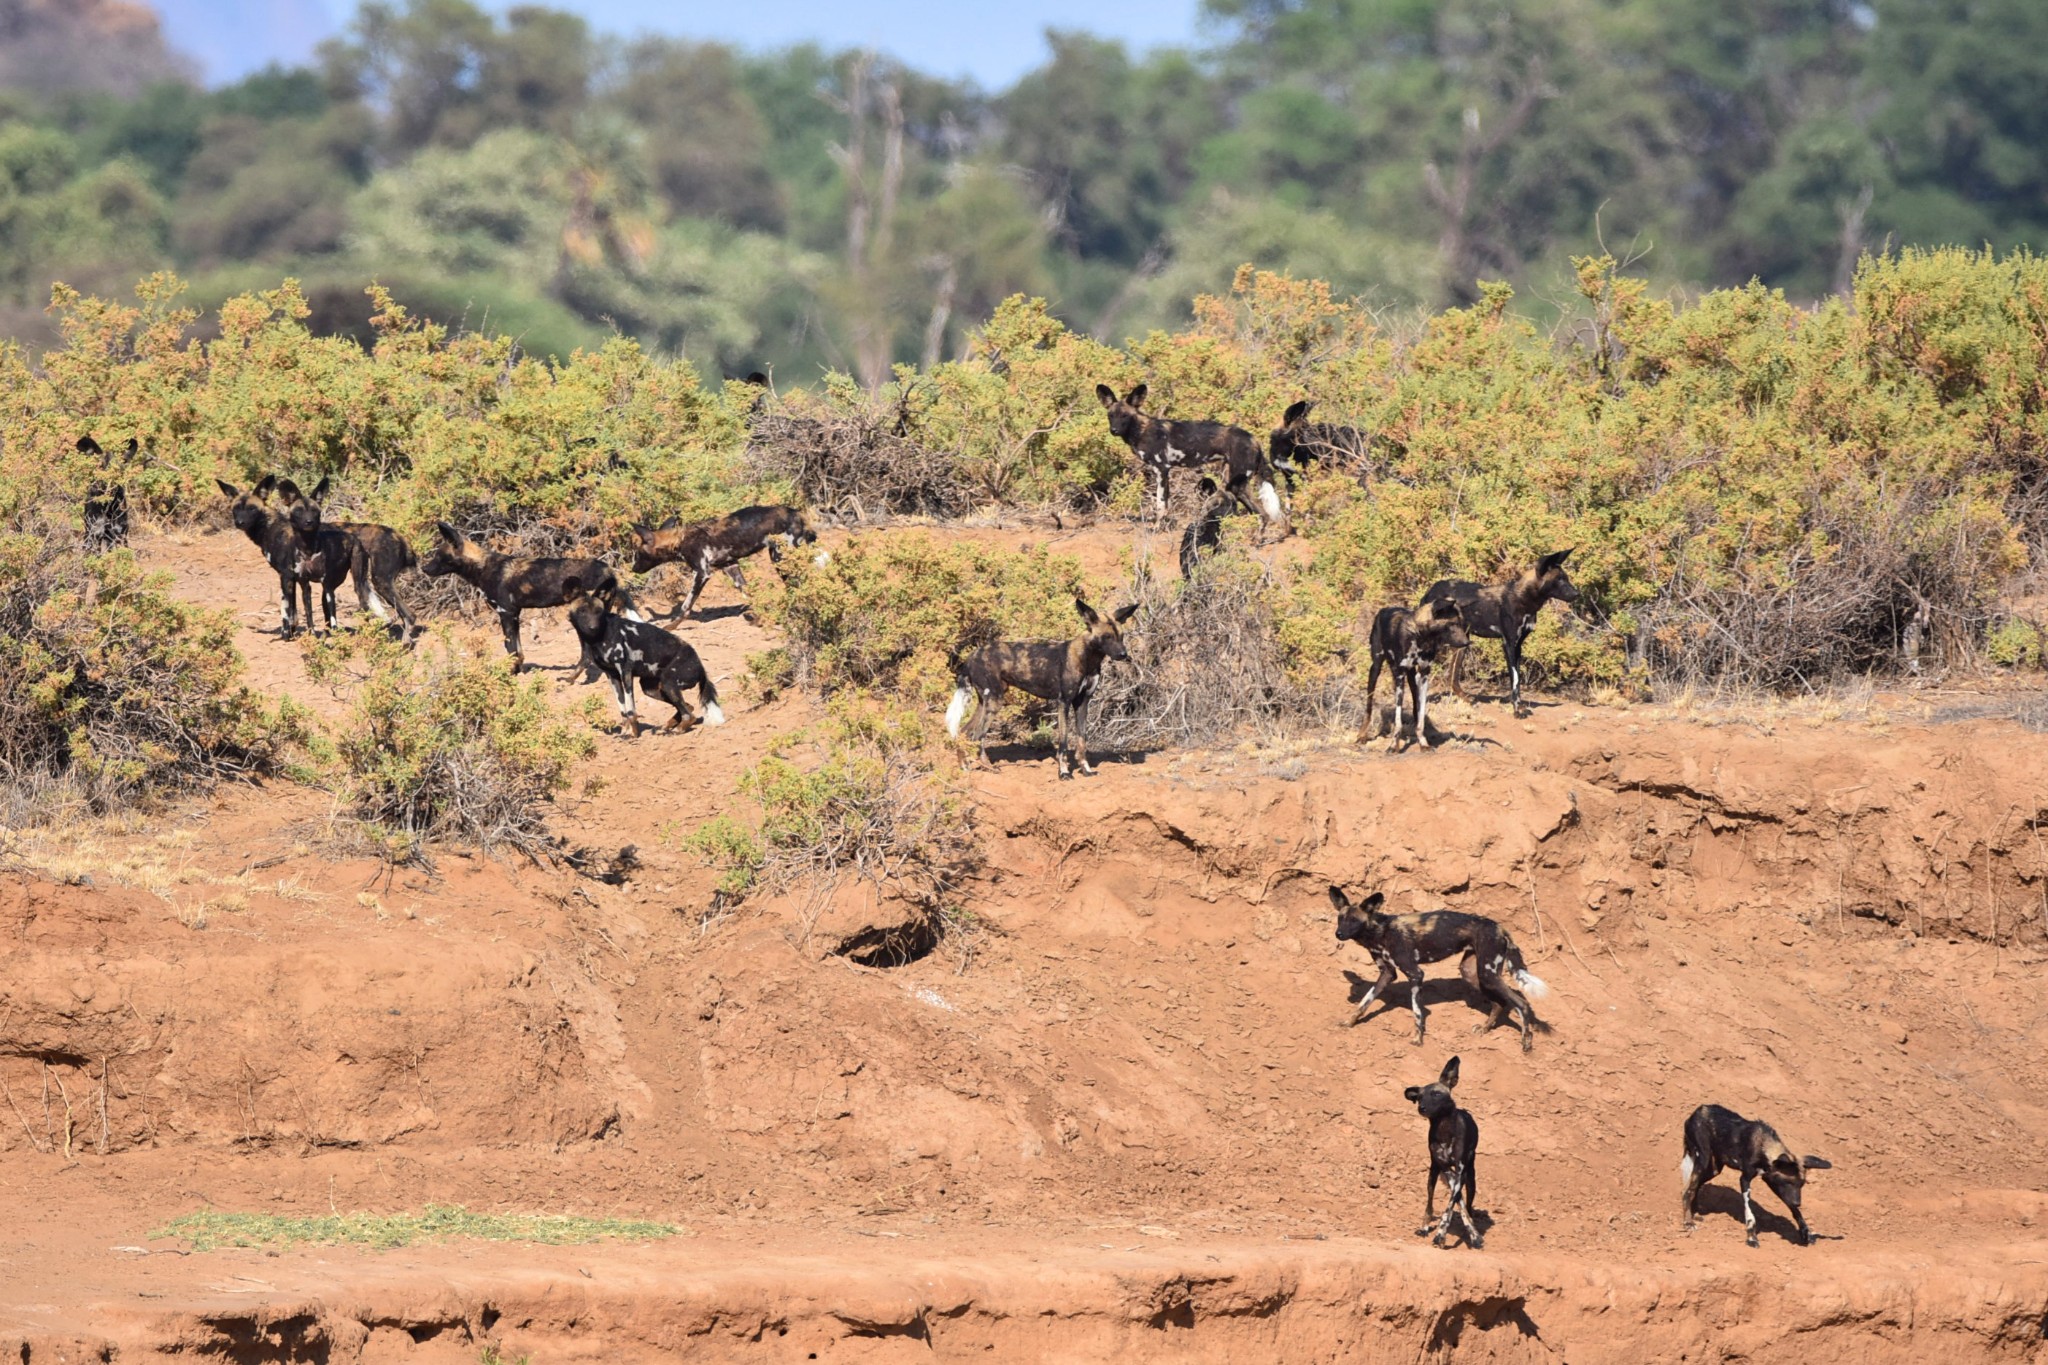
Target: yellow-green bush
[(444, 743)]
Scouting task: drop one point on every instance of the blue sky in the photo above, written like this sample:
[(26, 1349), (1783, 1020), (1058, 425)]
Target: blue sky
[(992, 42)]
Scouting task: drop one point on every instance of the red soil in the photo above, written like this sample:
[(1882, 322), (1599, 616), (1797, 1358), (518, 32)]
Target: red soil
[(1131, 1125)]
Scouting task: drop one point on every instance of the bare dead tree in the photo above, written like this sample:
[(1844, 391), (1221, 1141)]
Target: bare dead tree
[(1453, 197), (870, 209)]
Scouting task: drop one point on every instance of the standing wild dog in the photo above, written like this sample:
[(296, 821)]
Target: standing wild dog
[(1205, 532), (1716, 1138), (1298, 442), (1064, 671), (1408, 641), (512, 583), (629, 651), (297, 552), (721, 543), (1505, 612), (375, 555), (1492, 964), (1453, 1157), (1162, 445), (106, 506)]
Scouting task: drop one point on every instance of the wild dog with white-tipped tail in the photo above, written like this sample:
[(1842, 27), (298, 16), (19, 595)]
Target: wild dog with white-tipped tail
[(1162, 445), (1492, 963), (1453, 1157), (1716, 1138), (1064, 671), (721, 543), (628, 651)]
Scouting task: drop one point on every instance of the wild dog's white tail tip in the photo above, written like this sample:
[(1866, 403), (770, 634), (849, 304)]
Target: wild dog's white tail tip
[(712, 715), (633, 614), (1532, 985), (1269, 499), (957, 710), (1685, 1168), (823, 558), (377, 606)]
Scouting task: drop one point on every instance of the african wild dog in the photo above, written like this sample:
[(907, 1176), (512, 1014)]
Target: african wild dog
[(1717, 1138), (1492, 964), (721, 543), (1506, 612), (1453, 1157), (1408, 640), (1064, 671), (512, 583), (106, 507), (1205, 532), (375, 555), (628, 651), (1162, 445), (1297, 442), (300, 552)]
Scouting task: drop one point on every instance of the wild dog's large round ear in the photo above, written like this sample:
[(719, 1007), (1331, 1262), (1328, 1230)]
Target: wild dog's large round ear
[(1207, 487), (1123, 614), (1296, 411), (756, 378), (287, 490), (672, 523), (228, 488), (1088, 616), (133, 447), (1814, 1163), (1449, 1080), (1412, 1093), (320, 488), (264, 485), (640, 529), (86, 445), (448, 533), (1339, 899), (1105, 395), (1136, 397), (1374, 902)]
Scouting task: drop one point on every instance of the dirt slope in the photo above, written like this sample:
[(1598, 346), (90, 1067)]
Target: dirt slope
[(1135, 1124)]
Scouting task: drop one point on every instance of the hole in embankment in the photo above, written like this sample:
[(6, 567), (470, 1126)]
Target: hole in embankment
[(891, 945), (1485, 1315)]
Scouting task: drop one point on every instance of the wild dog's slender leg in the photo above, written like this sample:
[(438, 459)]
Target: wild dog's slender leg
[(1413, 970), (622, 687), (287, 618), (739, 580), (1511, 647), (672, 693), (1080, 710), (1422, 704), (1372, 686), (699, 577), (1694, 1173), (984, 713), (1397, 705), (1060, 751), (508, 621), (1414, 673), (1748, 1209), (1468, 967), (1805, 1235), (1386, 980), (1457, 672), (1461, 1206), (1429, 1200)]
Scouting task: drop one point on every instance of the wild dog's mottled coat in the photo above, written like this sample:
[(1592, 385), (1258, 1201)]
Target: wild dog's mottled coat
[(721, 543), (1297, 442), (513, 583), (106, 505), (1716, 1138), (1408, 641), (299, 553), (1453, 1157), (1162, 445), (1505, 612), (628, 651), (1205, 533), (1061, 671), (1492, 964)]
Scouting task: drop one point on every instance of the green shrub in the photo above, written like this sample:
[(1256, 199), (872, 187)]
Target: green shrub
[(2014, 643), (115, 689), (444, 743)]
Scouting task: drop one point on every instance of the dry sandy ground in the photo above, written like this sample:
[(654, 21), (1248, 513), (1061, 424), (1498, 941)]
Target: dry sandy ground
[(1129, 1123)]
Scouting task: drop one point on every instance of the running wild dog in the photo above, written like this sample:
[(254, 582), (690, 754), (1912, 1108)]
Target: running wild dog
[(106, 507), (1064, 671), (1506, 612), (1297, 442), (1492, 964), (629, 651), (512, 583), (299, 560), (1453, 1157), (1162, 445), (721, 543), (1408, 641), (1717, 1138)]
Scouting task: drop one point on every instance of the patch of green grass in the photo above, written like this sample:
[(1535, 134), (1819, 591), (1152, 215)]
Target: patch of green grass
[(209, 1230)]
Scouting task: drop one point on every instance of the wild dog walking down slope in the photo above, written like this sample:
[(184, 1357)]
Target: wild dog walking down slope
[(1163, 445), (1063, 671), (1505, 612), (1453, 1157), (1492, 963), (1409, 640), (513, 583), (1717, 1138), (628, 651), (721, 543)]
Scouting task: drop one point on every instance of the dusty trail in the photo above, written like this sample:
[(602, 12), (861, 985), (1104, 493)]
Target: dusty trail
[(1133, 1127)]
